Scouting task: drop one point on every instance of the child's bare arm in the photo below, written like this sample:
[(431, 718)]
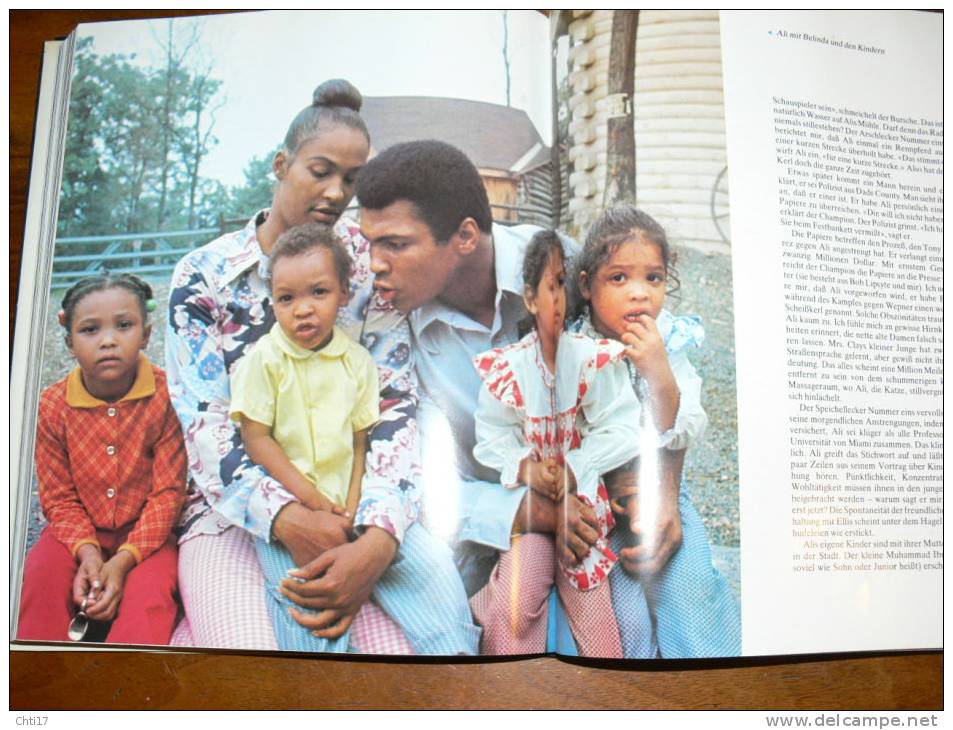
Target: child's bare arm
[(264, 450), (357, 474), (646, 349)]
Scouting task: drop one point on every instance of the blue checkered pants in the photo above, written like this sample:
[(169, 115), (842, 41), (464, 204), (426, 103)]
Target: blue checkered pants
[(685, 610), (421, 591)]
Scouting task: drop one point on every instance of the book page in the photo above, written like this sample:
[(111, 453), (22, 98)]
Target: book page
[(32, 299), (834, 250), (835, 155), (145, 222)]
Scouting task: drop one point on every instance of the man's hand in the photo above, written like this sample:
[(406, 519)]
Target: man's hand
[(577, 529), (623, 487), (339, 581), (657, 535), (655, 542), (86, 582), (536, 513), (307, 534), (566, 480)]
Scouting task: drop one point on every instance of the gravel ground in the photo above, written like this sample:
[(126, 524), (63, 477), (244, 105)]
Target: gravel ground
[(711, 467), (711, 471)]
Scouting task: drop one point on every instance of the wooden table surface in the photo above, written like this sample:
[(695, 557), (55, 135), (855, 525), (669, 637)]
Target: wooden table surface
[(141, 680)]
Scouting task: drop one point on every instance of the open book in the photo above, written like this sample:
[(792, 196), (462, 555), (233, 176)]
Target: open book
[(785, 497)]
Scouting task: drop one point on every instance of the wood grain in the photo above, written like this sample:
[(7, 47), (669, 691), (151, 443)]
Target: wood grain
[(141, 680), (60, 680)]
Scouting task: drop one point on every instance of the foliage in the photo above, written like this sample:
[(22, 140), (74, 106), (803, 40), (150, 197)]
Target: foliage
[(136, 139), (257, 190)]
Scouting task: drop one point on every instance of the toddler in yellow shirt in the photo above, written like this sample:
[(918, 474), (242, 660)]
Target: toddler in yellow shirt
[(306, 397), (307, 394)]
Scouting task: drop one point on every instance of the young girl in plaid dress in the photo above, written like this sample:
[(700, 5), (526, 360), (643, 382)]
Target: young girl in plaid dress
[(111, 465)]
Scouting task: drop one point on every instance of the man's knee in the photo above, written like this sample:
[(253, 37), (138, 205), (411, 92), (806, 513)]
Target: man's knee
[(426, 555)]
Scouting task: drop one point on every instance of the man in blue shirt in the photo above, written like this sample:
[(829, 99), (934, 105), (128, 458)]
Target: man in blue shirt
[(437, 255)]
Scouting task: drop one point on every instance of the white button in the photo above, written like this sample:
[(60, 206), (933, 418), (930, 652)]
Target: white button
[(110, 411), (110, 492), (110, 450)]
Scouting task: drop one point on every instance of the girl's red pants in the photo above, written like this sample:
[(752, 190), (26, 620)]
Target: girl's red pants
[(147, 612)]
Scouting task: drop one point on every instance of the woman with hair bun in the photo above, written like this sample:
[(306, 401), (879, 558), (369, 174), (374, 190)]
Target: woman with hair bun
[(218, 309)]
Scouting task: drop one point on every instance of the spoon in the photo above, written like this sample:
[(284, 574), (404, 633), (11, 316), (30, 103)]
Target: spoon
[(79, 624)]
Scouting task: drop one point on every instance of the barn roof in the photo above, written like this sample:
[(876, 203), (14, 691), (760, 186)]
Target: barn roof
[(493, 136)]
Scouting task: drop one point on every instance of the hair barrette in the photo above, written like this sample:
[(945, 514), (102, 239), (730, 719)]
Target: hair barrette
[(61, 316), (150, 305)]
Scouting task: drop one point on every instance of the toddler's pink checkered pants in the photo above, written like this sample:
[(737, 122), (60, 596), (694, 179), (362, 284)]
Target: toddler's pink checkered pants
[(513, 607), (223, 592)]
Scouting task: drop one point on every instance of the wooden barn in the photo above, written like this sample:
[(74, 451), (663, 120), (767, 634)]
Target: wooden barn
[(647, 119), (501, 141)]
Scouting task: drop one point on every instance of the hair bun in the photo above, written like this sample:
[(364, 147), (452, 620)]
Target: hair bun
[(338, 92)]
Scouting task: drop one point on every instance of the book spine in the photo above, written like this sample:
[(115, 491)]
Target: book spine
[(37, 261)]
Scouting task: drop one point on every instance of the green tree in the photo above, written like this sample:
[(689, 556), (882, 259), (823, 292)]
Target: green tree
[(86, 199), (198, 137), (258, 189), (136, 139)]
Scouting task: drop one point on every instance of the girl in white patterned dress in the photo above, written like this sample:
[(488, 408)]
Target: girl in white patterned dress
[(555, 412)]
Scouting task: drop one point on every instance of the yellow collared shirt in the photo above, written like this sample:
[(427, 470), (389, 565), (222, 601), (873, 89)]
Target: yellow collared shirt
[(313, 400)]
